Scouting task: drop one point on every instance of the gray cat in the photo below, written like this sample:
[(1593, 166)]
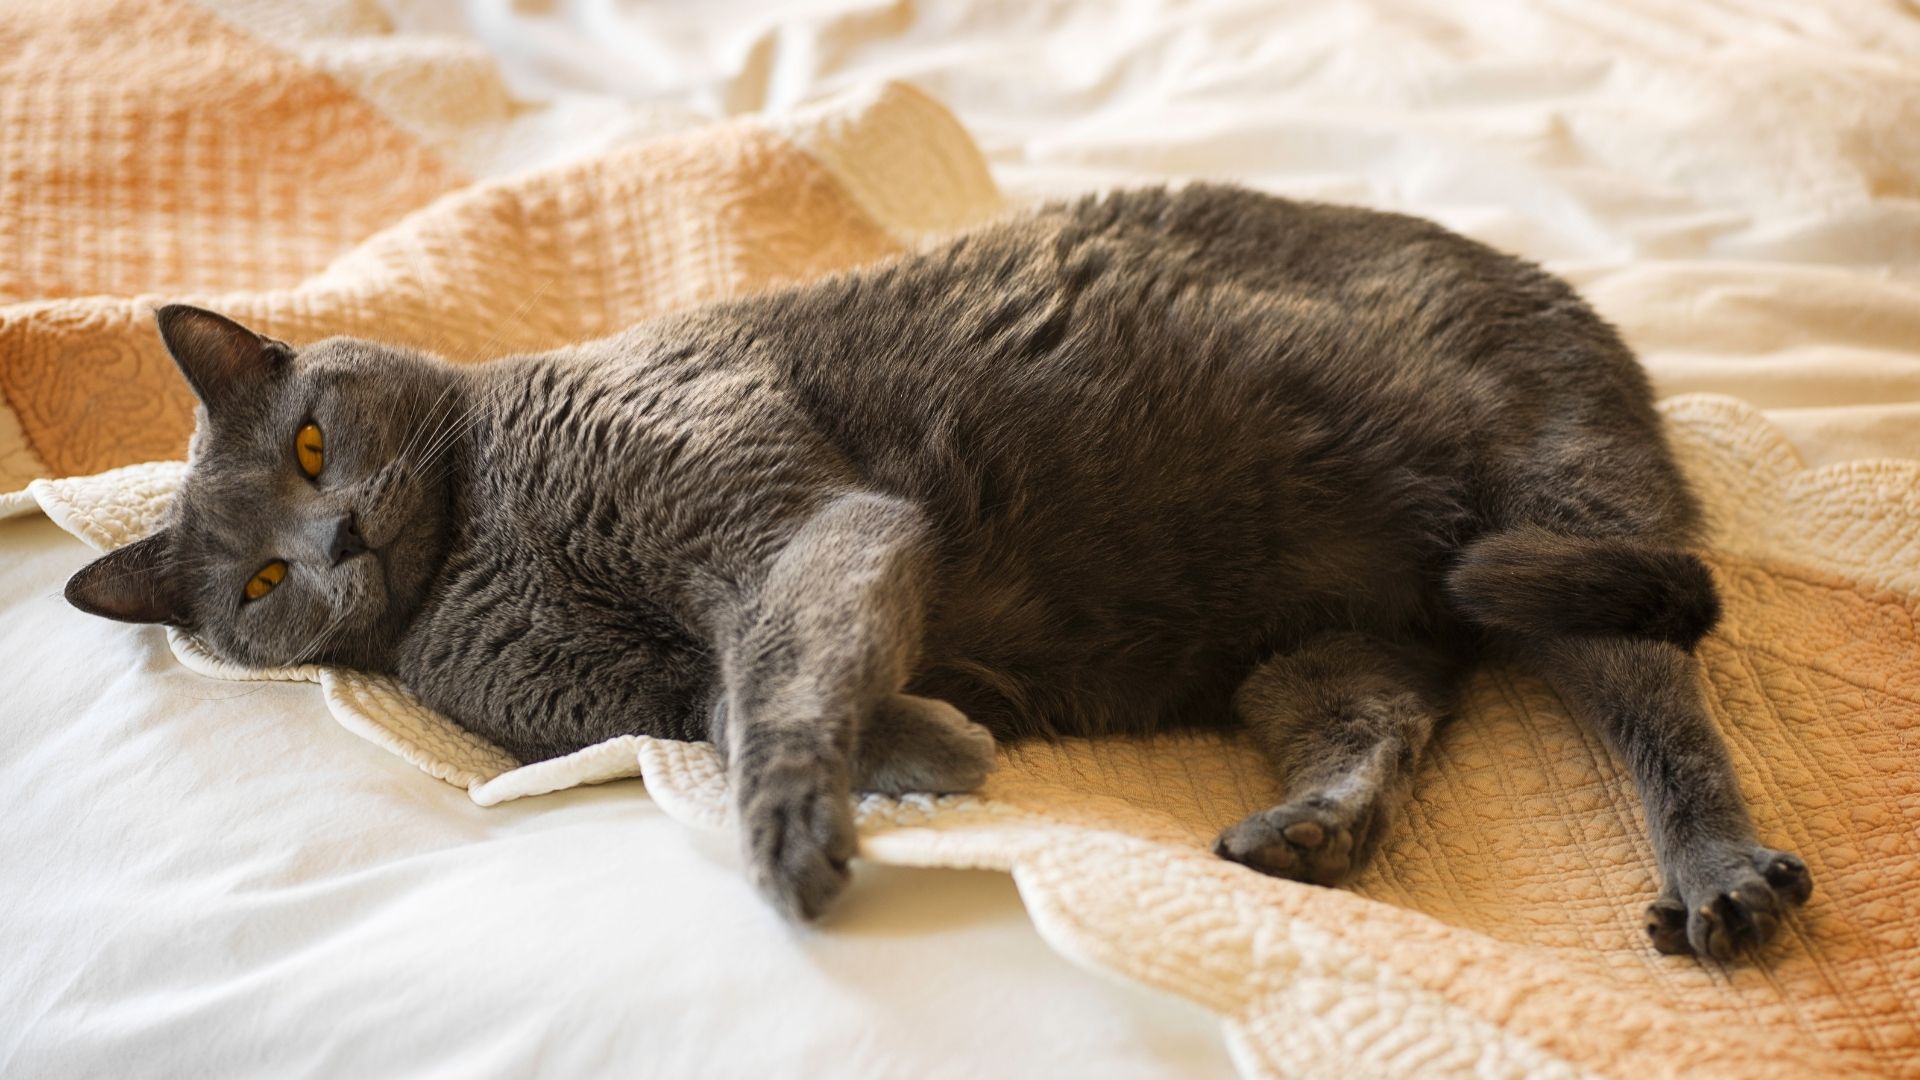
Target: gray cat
[(1154, 459)]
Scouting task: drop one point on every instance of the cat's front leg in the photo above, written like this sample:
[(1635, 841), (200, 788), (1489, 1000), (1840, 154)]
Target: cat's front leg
[(831, 631)]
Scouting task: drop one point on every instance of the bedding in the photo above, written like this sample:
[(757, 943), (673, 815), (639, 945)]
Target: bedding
[(1730, 183), (1499, 929)]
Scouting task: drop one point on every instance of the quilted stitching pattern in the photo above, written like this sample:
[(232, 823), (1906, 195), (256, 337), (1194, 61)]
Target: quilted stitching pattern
[(148, 146)]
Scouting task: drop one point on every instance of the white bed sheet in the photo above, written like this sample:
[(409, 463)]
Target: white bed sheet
[(1735, 182), (209, 879)]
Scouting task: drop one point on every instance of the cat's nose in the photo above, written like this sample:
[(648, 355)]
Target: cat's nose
[(346, 541)]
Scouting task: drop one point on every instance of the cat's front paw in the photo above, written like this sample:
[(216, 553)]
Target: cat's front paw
[(1731, 905), (796, 826), (916, 744)]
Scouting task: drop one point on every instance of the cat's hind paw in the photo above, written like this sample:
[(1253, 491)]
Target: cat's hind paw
[(1730, 909), (1311, 840)]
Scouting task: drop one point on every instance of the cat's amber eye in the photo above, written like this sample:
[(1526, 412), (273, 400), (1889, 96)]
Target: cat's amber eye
[(263, 581), (311, 448)]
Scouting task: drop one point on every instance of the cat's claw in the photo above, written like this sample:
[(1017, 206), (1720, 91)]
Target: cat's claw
[(1667, 926)]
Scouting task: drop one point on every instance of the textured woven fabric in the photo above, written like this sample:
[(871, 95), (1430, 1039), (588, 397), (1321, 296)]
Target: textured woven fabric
[(149, 148)]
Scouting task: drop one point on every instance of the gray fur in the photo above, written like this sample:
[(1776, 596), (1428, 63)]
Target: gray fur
[(1130, 463), (1345, 719)]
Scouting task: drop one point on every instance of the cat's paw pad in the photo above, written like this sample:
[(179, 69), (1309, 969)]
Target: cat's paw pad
[(1734, 909), (1308, 840), (916, 744), (797, 831)]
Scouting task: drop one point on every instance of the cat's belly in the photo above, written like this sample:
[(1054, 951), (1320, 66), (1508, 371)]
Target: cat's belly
[(1034, 633), (1017, 701)]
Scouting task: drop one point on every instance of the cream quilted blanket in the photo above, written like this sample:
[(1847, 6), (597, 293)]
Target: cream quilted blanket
[(1499, 931)]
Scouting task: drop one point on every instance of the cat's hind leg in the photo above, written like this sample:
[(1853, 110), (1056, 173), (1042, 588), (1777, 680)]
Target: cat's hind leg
[(1611, 623), (1725, 891), (1344, 720)]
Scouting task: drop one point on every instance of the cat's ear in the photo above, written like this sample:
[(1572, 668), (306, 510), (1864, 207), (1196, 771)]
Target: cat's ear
[(135, 583), (222, 360)]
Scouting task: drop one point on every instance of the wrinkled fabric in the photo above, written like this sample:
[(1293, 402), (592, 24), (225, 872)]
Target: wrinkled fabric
[(1736, 183)]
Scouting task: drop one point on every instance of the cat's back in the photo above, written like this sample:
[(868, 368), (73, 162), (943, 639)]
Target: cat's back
[(1154, 313), (1182, 352)]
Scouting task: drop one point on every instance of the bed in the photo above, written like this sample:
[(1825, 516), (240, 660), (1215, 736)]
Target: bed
[(209, 876)]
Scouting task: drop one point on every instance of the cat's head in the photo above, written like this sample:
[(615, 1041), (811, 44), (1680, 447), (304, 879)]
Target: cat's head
[(315, 509)]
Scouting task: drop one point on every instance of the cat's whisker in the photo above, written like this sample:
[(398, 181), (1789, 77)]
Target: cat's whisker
[(442, 429), (321, 641), (458, 428), (441, 435), (435, 445), (420, 422), (490, 344), (419, 456)]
